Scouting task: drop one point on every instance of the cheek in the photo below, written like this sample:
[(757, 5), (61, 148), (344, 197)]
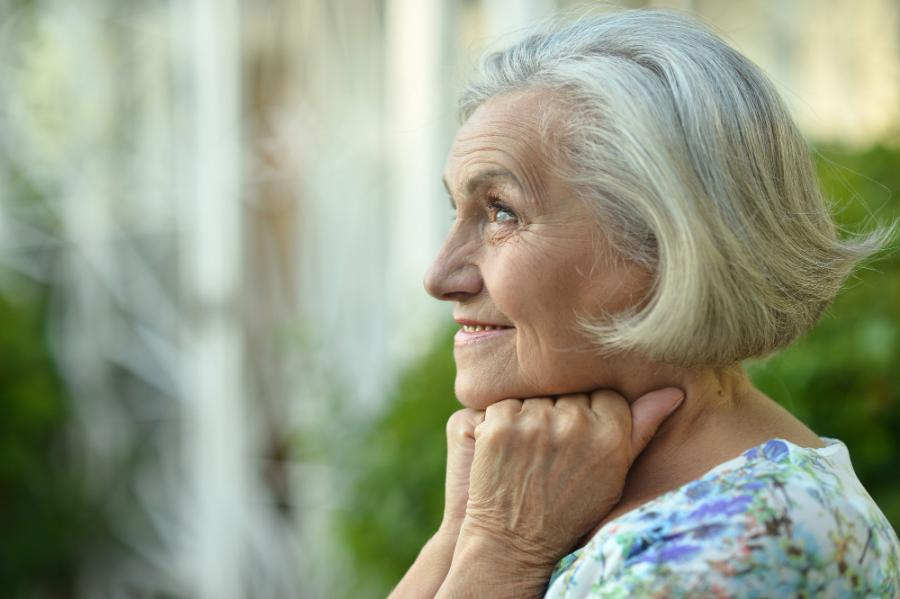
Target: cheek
[(520, 283), (542, 290), (620, 288), (538, 292)]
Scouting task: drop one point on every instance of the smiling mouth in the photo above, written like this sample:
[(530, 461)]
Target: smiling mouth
[(478, 333), (479, 327)]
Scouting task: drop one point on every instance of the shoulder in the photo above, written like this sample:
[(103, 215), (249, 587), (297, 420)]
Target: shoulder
[(779, 519)]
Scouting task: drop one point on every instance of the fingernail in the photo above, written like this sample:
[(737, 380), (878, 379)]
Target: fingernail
[(678, 402)]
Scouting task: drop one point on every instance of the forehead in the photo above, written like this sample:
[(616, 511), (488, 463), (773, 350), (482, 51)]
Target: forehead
[(503, 134)]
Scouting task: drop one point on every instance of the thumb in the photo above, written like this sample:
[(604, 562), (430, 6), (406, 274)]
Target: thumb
[(647, 414)]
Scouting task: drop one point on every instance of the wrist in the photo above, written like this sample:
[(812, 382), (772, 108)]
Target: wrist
[(486, 565), (450, 528), (519, 552), (443, 541), (428, 572)]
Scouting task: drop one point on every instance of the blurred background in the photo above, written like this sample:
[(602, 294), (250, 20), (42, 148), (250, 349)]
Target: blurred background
[(220, 374)]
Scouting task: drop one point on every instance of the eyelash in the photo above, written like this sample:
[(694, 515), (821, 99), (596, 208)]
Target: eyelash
[(495, 206)]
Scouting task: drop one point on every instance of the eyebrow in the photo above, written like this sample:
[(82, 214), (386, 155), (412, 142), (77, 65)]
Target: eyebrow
[(480, 178)]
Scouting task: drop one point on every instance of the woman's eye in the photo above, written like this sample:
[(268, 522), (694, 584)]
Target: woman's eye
[(501, 214)]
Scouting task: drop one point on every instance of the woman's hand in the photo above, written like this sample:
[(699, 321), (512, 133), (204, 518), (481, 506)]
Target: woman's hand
[(430, 569), (544, 472), (460, 450)]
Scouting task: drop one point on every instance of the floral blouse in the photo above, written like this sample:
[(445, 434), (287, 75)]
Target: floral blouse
[(779, 520)]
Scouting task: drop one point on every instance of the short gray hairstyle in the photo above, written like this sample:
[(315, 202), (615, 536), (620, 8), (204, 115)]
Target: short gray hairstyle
[(696, 171)]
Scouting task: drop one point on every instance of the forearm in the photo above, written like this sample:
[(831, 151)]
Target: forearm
[(485, 567), (425, 576)]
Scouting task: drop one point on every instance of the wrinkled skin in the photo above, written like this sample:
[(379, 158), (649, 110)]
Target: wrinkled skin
[(546, 471)]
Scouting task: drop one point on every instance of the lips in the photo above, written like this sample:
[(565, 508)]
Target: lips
[(474, 331)]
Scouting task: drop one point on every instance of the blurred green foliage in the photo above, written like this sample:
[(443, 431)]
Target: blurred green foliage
[(842, 379), (44, 516), (397, 498)]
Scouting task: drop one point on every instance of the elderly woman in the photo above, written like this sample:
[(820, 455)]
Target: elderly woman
[(636, 214)]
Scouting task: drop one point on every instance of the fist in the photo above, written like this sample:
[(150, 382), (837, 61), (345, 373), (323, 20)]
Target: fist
[(545, 471)]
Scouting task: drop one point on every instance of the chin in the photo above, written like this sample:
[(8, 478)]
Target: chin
[(473, 395)]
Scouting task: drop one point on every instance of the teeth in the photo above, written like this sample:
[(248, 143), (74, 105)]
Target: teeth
[(476, 328)]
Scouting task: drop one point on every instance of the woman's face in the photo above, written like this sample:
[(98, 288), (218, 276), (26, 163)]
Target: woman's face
[(526, 255)]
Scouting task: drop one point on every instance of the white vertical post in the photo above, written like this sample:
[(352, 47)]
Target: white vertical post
[(214, 428), (414, 32)]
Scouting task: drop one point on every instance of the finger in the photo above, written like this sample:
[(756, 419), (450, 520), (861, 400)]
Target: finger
[(498, 413), (537, 404), (476, 419), (610, 405), (648, 412), (462, 423), (578, 402), (503, 409)]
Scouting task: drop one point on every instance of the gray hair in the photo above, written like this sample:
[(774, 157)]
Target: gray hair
[(696, 171)]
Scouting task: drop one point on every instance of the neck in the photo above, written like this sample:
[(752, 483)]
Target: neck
[(722, 416), (707, 386), (718, 419)]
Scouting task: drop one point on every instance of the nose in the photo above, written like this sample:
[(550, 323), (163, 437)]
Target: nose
[(452, 276)]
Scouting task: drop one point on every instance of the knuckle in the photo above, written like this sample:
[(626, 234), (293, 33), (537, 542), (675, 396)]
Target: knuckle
[(457, 420), (604, 396), (538, 401), (570, 427), (611, 438), (495, 426), (493, 433), (462, 423), (571, 422), (532, 426), (503, 407), (510, 404), (456, 416), (574, 398)]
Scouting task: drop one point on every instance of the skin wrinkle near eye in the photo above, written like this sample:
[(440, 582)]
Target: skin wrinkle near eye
[(481, 179), (488, 191), (499, 237), (491, 142)]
